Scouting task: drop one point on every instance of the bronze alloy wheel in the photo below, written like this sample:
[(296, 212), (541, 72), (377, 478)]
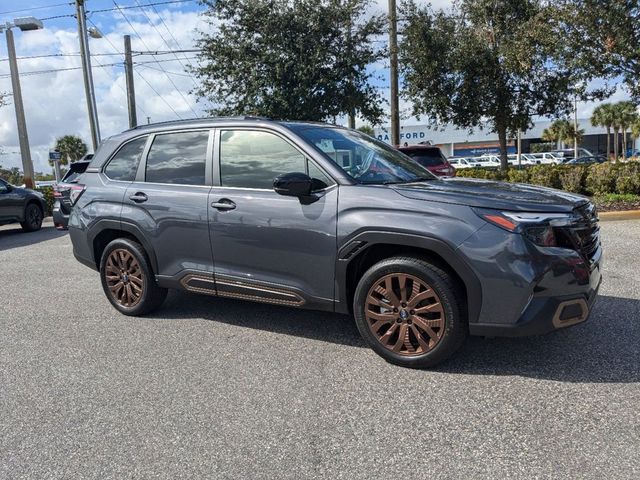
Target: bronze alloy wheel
[(124, 277), (405, 314)]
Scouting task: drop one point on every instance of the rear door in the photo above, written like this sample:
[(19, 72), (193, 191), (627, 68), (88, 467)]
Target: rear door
[(168, 201)]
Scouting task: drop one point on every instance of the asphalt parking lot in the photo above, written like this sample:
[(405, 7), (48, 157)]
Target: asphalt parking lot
[(212, 388)]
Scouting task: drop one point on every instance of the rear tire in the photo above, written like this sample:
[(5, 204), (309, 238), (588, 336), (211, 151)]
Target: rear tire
[(32, 218), (128, 280), (409, 312)]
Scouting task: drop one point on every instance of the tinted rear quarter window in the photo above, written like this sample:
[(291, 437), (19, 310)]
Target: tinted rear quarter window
[(178, 158), (124, 164), (426, 158), (75, 170)]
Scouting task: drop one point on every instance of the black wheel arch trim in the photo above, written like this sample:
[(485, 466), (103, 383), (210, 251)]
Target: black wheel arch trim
[(366, 239), (130, 228)]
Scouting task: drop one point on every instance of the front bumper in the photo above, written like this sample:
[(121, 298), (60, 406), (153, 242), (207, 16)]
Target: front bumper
[(528, 290), (60, 218)]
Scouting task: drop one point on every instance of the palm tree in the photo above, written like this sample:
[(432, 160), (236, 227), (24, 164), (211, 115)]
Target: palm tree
[(626, 115), (71, 147), (556, 132), (603, 116), (562, 131)]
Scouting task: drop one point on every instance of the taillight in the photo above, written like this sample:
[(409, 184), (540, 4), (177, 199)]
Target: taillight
[(75, 192)]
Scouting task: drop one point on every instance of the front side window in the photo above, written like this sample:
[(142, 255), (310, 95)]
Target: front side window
[(124, 164), (364, 159), (3, 186), (252, 159), (178, 158)]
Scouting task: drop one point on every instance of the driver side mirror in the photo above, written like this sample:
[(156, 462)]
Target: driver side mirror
[(295, 184)]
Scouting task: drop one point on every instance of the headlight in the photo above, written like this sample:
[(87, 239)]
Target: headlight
[(537, 227)]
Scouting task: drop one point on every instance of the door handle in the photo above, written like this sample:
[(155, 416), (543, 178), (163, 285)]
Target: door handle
[(139, 197), (223, 204)]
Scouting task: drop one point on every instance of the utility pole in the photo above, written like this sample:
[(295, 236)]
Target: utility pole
[(575, 127), (393, 71), (352, 110), (88, 77), (131, 92), (25, 152)]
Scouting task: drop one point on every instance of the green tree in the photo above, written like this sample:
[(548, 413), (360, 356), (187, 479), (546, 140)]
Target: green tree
[(485, 62), (285, 59), (562, 131), (601, 37), (368, 129), (12, 175), (603, 116), (71, 147)]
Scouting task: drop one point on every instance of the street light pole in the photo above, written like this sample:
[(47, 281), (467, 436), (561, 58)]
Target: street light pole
[(393, 72), (28, 23), (88, 77)]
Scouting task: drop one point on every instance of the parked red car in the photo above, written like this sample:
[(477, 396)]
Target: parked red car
[(430, 157)]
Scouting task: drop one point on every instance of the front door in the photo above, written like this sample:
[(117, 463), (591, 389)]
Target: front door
[(266, 246), (168, 201), (11, 203)]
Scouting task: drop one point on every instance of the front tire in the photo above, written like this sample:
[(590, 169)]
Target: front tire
[(32, 218), (409, 312), (128, 280)]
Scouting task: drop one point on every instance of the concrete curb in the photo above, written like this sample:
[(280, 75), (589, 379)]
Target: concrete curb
[(623, 215)]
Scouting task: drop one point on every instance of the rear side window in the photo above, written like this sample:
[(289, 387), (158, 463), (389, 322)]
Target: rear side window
[(124, 164), (178, 158), (428, 158), (75, 170)]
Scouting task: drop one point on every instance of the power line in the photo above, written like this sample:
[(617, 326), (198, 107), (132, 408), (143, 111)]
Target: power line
[(147, 47), (156, 92), (66, 69), (123, 90), (128, 7), (165, 40), (139, 74), (36, 8)]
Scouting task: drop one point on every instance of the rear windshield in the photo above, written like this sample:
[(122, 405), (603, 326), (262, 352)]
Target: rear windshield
[(75, 170), (426, 158)]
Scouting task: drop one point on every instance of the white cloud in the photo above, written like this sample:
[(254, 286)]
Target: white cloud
[(55, 103)]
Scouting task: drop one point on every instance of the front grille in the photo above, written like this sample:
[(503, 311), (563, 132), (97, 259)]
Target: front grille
[(583, 233)]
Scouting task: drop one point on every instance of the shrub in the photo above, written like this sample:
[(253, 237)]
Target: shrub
[(48, 199), (601, 179), (572, 179), (515, 175), (484, 173), (628, 184), (545, 175)]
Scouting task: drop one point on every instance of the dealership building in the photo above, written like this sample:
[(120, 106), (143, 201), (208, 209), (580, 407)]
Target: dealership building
[(462, 142)]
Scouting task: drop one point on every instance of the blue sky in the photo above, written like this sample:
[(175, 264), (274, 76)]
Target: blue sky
[(54, 101)]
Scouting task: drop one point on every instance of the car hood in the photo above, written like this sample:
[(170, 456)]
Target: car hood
[(492, 194)]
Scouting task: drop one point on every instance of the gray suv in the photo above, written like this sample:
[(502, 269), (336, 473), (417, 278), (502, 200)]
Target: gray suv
[(320, 217)]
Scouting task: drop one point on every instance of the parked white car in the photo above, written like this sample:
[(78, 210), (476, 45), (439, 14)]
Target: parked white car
[(463, 162), (547, 158)]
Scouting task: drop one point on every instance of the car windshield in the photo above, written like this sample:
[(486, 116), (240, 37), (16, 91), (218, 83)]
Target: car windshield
[(364, 159)]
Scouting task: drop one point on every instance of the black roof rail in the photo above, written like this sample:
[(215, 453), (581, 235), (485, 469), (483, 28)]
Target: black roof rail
[(195, 120)]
